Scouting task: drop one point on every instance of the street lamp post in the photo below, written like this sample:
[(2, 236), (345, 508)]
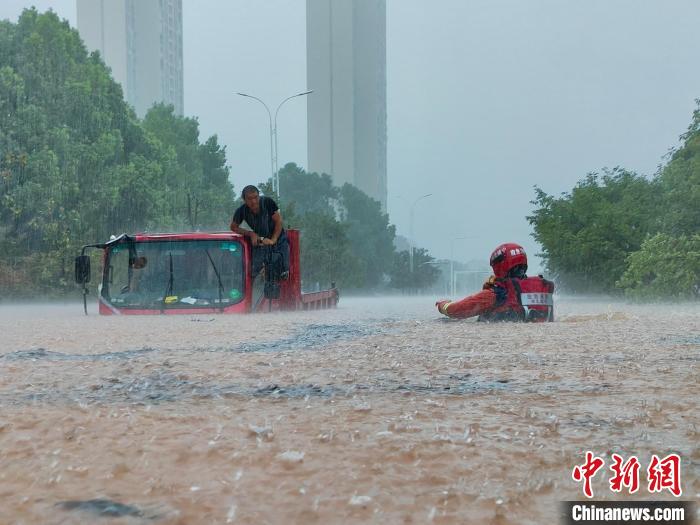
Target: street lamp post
[(277, 172), (410, 253), (272, 151), (273, 136)]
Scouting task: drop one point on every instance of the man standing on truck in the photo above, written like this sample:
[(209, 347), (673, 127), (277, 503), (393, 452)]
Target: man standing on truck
[(266, 233)]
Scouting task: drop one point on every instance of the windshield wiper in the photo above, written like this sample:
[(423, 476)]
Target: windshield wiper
[(171, 281), (221, 286)]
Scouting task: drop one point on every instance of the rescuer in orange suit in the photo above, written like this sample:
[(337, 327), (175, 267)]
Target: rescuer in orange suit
[(509, 294)]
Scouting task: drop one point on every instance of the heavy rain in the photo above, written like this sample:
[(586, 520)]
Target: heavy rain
[(374, 261)]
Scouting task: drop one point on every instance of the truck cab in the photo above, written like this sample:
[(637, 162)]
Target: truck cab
[(188, 273)]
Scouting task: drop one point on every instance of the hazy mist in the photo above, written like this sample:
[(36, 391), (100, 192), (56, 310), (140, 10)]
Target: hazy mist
[(485, 99)]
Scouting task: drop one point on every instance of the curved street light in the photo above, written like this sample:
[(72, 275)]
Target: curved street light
[(272, 155), (273, 135), (276, 168)]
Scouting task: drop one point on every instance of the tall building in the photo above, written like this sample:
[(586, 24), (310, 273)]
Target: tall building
[(141, 41), (346, 68)]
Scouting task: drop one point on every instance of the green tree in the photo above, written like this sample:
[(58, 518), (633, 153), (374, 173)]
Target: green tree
[(665, 267), (586, 235), (679, 183), (63, 114), (370, 234), (76, 165), (346, 237), (592, 237), (424, 275), (308, 192), (325, 253), (197, 177)]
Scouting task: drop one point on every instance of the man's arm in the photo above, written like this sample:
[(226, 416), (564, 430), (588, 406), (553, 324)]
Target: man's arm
[(277, 219), (477, 304), (235, 228)]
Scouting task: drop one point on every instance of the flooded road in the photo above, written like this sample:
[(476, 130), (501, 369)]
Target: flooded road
[(380, 411)]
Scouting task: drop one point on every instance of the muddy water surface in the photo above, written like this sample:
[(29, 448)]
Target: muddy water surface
[(379, 411)]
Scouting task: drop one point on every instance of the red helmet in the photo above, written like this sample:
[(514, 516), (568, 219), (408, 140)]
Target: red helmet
[(506, 257)]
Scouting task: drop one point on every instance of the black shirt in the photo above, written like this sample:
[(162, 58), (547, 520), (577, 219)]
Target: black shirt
[(262, 222)]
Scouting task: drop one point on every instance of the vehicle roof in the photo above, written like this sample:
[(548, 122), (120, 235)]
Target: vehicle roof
[(187, 236)]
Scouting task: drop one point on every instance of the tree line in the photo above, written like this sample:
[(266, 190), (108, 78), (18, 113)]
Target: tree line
[(346, 237), (620, 232), (77, 165)]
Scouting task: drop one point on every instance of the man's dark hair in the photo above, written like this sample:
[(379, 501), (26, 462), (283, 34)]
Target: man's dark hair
[(249, 189)]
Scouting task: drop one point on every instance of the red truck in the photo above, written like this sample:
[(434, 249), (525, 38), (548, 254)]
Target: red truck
[(195, 273)]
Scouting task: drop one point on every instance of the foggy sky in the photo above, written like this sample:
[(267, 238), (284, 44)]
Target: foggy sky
[(485, 99)]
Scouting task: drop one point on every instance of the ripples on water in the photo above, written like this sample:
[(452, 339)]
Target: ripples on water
[(379, 411)]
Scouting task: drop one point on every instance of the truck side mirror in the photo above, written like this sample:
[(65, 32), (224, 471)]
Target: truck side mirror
[(82, 269)]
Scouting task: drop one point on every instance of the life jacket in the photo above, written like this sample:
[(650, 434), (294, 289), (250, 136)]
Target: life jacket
[(528, 300)]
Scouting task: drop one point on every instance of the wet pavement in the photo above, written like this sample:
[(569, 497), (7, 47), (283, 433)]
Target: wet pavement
[(380, 411)]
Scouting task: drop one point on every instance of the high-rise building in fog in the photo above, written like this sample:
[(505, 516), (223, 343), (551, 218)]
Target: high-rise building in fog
[(346, 68), (141, 41)]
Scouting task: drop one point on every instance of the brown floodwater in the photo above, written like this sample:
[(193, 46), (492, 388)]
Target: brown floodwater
[(380, 411)]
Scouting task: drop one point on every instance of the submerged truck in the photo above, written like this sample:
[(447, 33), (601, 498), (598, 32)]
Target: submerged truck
[(195, 273)]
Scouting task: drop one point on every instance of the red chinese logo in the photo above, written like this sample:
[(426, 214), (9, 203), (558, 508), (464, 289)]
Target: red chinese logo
[(586, 471), (626, 475), (665, 474), (661, 474)]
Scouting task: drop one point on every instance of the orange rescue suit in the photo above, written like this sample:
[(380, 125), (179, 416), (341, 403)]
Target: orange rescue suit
[(506, 299)]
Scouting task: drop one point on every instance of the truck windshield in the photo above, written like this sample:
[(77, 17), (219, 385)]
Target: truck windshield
[(174, 274)]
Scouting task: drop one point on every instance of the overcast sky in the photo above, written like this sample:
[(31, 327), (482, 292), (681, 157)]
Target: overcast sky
[(485, 98)]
